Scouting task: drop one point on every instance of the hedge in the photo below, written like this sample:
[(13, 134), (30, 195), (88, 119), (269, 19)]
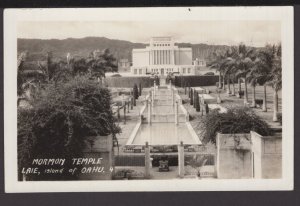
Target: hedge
[(193, 81), (128, 82)]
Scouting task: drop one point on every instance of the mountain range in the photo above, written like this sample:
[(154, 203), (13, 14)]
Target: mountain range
[(83, 46)]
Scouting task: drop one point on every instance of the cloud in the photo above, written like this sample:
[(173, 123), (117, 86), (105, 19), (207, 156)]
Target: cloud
[(257, 33)]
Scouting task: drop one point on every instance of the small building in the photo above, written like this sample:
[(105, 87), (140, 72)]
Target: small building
[(199, 62), (124, 65), (162, 57), (201, 68)]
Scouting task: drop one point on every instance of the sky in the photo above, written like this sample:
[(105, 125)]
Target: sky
[(254, 33)]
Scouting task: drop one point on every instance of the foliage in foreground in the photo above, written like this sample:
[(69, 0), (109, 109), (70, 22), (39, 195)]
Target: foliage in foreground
[(236, 120), (59, 119)]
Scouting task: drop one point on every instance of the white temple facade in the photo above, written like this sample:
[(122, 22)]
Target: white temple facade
[(162, 57)]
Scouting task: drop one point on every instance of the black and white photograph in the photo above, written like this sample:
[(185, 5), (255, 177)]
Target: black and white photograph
[(148, 99)]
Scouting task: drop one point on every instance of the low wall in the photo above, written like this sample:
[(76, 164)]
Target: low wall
[(185, 112), (249, 156), (193, 81), (178, 99), (234, 159), (267, 156), (101, 147), (208, 99), (133, 133)]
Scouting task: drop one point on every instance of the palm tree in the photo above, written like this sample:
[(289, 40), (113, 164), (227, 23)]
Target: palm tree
[(252, 78), (276, 78), (28, 80), (230, 68), (217, 63), (222, 61), (197, 162), (101, 62), (263, 69), (267, 71), (20, 81), (244, 61)]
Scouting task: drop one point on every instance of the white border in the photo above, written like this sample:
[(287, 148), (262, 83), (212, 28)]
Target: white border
[(13, 16)]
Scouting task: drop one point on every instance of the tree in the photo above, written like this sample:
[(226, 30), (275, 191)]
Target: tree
[(243, 62), (79, 66), (135, 92), (267, 71), (232, 68), (195, 98), (197, 162), (223, 62), (63, 72), (218, 60), (60, 119), (262, 70), (191, 98), (140, 89), (28, 80), (252, 78), (276, 78), (206, 108), (197, 103), (101, 62)]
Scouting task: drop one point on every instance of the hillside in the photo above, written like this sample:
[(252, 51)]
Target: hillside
[(82, 47)]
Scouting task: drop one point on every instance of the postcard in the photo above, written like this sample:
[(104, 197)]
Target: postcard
[(149, 99)]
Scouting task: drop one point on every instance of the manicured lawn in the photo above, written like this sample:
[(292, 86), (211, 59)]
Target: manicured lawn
[(231, 101)]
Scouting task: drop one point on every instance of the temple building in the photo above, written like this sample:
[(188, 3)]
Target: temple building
[(162, 57)]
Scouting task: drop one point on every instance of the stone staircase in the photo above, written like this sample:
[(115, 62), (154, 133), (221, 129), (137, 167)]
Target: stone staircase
[(163, 109)]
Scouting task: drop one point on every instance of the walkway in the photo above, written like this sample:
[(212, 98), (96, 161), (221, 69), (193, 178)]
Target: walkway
[(163, 124)]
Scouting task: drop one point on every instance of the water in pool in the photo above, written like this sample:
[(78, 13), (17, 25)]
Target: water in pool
[(163, 134)]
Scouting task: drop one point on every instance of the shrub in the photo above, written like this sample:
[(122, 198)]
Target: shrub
[(206, 108), (279, 117), (191, 97), (209, 73), (116, 75), (197, 104), (123, 173), (236, 120), (140, 89), (135, 92), (241, 93), (195, 98), (259, 102)]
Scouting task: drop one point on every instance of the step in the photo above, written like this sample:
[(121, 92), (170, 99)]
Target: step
[(166, 118)]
